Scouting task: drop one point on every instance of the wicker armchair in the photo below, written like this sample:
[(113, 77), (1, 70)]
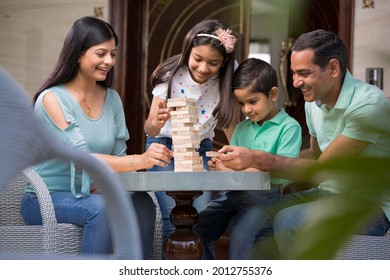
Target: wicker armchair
[(157, 249), (364, 247), (50, 238)]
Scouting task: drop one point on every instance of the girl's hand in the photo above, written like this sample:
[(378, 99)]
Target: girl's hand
[(157, 154), (163, 115)]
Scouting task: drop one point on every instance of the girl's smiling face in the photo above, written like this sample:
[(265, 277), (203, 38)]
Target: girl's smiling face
[(204, 62)]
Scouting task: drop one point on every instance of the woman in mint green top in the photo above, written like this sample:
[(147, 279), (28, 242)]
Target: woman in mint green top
[(268, 129), (78, 106), (104, 135)]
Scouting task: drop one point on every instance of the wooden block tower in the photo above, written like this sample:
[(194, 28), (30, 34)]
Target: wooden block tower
[(185, 134)]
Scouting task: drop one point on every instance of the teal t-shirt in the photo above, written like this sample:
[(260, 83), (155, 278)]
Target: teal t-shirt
[(106, 134), (280, 135), (362, 112)]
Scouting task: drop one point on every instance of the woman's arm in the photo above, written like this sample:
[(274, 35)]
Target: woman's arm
[(157, 154)]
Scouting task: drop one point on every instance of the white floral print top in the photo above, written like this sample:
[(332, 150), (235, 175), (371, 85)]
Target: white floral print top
[(206, 94)]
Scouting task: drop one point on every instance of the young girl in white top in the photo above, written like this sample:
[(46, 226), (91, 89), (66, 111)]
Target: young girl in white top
[(202, 71)]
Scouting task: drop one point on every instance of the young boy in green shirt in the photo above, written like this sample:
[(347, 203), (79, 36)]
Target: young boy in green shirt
[(266, 128)]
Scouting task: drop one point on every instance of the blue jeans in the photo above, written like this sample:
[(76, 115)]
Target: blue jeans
[(165, 201), (241, 213), (297, 213), (90, 213)]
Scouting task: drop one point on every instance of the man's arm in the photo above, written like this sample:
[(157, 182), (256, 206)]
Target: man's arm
[(240, 158)]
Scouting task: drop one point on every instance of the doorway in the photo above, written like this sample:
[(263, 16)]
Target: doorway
[(152, 30), (279, 23)]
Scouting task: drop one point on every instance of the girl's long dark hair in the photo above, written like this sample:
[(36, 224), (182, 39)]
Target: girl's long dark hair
[(85, 33), (226, 111)]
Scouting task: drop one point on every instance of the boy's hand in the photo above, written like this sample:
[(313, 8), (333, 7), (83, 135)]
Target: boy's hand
[(216, 165)]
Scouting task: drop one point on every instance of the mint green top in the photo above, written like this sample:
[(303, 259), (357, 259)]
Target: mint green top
[(361, 112), (106, 134), (280, 135)]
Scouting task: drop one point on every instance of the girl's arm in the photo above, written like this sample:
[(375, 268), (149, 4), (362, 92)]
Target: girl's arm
[(158, 116)]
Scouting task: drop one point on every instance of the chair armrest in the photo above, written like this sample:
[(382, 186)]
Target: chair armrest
[(44, 199)]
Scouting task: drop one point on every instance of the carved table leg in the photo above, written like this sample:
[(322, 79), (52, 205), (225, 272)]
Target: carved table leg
[(184, 243)]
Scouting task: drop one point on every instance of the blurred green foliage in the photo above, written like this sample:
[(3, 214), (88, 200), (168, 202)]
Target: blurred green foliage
[(365, 182)]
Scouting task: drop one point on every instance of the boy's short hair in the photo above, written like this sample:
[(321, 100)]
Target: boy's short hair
[(256, 75)]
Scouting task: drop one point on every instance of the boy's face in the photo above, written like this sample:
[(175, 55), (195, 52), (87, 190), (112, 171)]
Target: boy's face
[(256, 105)]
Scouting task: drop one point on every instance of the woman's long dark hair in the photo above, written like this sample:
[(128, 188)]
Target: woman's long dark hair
[(226, 111), (85, 33)]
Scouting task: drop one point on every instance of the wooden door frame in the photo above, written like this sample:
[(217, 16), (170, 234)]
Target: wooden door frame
[(128, 20), (346, 23)]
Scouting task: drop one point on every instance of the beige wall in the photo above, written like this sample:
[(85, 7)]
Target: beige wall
[(371, 46), (32, 34)]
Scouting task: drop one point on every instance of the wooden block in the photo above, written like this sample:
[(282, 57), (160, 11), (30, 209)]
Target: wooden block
[(187, 120), (186, 143), (184, 149), (213, 154), (193, 159), (185, 133), (180, 102), (181, 124), (192, 127), (178, 117), (185, 154), (186, 111), (189, 168), (188, 162), (189, 107), (186, 137), (181, 99)]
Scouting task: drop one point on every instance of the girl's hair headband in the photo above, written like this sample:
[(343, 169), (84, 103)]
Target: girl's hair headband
[(224, 36)]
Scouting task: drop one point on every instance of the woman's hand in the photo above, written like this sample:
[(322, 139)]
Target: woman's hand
[(157, 154)]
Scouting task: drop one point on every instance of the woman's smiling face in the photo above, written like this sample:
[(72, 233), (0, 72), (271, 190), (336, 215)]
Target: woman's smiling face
[(98, 60)]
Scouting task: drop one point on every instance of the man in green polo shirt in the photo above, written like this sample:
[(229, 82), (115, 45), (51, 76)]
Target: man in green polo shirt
[(346, 118)]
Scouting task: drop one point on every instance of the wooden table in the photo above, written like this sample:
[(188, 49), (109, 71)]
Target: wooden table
[(184, 187)]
